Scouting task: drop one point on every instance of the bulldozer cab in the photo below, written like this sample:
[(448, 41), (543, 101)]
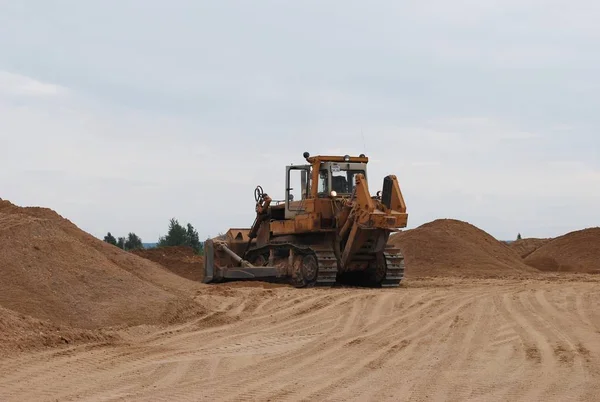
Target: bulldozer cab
[(335, 179)]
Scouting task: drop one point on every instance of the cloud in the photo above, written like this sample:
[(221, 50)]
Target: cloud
[(425, 163), (19, 85)]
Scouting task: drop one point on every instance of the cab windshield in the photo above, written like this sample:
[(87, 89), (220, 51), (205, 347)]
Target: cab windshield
[(342, 180)]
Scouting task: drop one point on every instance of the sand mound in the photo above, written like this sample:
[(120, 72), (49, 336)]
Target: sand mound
[(577, 251), (52, 270), (19, 332), (179, 259), (524, 247), (448, 247)]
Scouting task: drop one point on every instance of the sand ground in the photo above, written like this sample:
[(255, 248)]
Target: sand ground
[(438, 339)]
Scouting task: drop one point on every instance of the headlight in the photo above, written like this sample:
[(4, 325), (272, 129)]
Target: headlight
[(333, 193), (347, 158)]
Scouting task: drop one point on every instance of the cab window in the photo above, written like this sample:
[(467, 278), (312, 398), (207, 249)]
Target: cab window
[(323, 187), (343, 180)]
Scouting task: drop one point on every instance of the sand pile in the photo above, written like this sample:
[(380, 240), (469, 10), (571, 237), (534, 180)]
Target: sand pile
[(19, 332), (524, 247), (577, 251), (51, 270), (178, 259), (448, 247)]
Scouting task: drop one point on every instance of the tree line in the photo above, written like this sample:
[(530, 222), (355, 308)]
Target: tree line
[(177, 235)]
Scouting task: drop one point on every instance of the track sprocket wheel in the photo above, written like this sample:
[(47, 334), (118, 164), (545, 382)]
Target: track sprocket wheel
[(305, 271), (260, 260)]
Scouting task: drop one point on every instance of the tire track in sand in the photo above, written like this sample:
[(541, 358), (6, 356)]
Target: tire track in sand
[(350, 363), (271, 368), (489, 341)]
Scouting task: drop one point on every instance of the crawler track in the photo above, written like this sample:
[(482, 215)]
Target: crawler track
[(328, 271), (395, 268), (327, 268)]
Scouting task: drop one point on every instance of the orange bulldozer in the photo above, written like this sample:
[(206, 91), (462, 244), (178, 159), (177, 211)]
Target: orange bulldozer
[(327, 230)]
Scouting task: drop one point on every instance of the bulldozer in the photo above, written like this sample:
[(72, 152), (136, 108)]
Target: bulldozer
[(327, 230)]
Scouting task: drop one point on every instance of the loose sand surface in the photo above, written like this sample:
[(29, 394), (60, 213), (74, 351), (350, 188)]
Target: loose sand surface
[(52, 270), (178, 259), (577, 251), (453, 248), (431, 339), (524, 247)]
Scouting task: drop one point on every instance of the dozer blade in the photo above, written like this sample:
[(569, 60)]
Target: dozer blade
[(249, 273), (215, 273), (209, 262)]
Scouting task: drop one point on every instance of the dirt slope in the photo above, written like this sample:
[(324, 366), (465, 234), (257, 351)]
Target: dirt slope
[(448, 247), (180, 260), (444, 339), (577, 251), (52, 270), (19, 332), (524, 247)]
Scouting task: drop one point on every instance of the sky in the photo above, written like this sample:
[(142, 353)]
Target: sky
[(121, 115)]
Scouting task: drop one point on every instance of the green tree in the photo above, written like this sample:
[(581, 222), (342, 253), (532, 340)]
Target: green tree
[(193, 240), (121, 243), (109, 238), (519, 236), (133, 242), (178, 235)]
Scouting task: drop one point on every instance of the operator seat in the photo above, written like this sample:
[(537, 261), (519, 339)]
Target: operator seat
[(340, 185)]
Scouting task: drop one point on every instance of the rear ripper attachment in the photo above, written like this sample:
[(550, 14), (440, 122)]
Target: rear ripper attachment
[(327, 229)]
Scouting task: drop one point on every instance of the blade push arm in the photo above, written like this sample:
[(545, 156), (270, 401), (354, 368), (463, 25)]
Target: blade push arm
[(370, 219)]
